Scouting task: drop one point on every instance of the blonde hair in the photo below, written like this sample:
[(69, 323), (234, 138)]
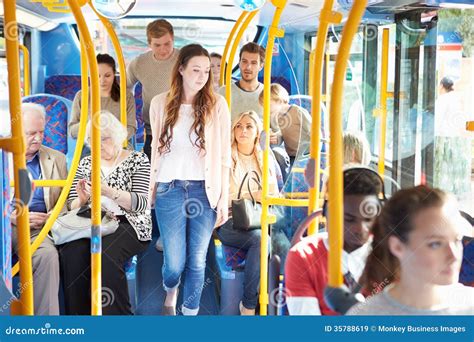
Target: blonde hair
[(277, 94), (356, 148), (256, 119), (109, 125)]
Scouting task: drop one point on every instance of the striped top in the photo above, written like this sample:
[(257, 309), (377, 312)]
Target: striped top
[(131, 175)]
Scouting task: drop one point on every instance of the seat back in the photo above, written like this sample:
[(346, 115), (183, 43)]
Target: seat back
[(57, 115), (63, 85)]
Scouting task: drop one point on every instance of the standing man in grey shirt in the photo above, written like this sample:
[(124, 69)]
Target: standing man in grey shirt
[(153, 69), (245, 92)]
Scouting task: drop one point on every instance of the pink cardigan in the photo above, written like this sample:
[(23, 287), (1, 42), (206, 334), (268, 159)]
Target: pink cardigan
[(217, 133)]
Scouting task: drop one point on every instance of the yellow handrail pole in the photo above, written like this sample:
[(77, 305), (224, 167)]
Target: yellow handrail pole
[(335, 147), (227, 45), (470, 126), (17, 145), (96, 240), (383, 101), (328, 96), (74, 164), (273, 32), (26, 69), (228, 67), (122, 70), (327, 17)]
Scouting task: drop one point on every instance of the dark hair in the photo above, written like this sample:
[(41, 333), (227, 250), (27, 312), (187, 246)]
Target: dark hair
[(253, 48), (204, 100), (216, 55), (395, 219), (447, 83), (103, 58), (362, 181)]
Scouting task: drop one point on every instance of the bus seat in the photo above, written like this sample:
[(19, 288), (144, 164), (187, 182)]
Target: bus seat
[(466, 275), (5, 296), (63, 85), (58, 110), (140, 134), (280, 80), (229, 266)]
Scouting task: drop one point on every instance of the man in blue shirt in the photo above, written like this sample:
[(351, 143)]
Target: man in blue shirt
[(42, 163)]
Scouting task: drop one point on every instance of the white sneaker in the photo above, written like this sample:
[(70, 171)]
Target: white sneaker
[(159, 245)]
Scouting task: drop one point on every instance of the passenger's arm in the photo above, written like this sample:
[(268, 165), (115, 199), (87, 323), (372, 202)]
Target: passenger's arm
[(131, 116), (223, 203), (301, 297), (73, 200), (74, 123), (131, 77)]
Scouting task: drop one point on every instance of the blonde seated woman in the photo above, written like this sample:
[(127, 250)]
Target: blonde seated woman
[(247, 156)]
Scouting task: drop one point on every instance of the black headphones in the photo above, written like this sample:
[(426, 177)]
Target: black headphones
[(382, 196)]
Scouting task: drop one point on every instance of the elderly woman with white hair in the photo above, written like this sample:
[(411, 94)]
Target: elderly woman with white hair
[(125, 180)]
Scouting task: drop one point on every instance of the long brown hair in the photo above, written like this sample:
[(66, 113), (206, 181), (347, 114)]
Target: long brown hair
[(396, 219), (203, 104)]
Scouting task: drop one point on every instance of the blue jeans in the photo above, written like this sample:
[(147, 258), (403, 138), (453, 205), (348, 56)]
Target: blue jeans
[(186, 221), (248, 240)]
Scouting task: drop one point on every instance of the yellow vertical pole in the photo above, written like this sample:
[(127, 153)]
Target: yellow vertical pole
[(96, 241), (327, 16), (26, 70), (383, 100), (16, 144), (336, 232), (328, 95), (233, 50), (121, 62), (273, 32), (224, 60)]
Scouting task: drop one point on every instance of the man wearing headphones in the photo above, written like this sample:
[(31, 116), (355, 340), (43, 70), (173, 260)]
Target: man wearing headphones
[(306, 273)]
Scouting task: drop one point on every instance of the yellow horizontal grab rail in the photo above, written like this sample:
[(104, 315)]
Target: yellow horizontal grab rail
[(470, 126), (45, 183), (287, 202)]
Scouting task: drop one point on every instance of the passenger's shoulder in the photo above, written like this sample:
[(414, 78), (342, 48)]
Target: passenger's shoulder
[(308, 247), (54, 154), (159, 100), (139, 157)]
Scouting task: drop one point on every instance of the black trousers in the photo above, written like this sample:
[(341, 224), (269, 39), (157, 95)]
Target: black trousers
[(147, 145), (75, 262)]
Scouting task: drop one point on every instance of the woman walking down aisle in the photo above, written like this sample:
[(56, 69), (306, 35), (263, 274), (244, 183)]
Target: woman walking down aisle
[(189, 185)]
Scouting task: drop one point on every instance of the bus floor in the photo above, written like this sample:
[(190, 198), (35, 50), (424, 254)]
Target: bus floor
[(149, 292)]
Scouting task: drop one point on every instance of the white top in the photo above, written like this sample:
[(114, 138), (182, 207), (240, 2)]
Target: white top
[(184, 161), (457, 300), (450, 119)]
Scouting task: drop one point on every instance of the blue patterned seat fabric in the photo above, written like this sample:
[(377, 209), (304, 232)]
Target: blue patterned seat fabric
[(63, 85), (234, 257)]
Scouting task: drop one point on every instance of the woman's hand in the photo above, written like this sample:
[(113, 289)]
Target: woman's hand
[(222, 212), (107, 191), (83, 191)]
